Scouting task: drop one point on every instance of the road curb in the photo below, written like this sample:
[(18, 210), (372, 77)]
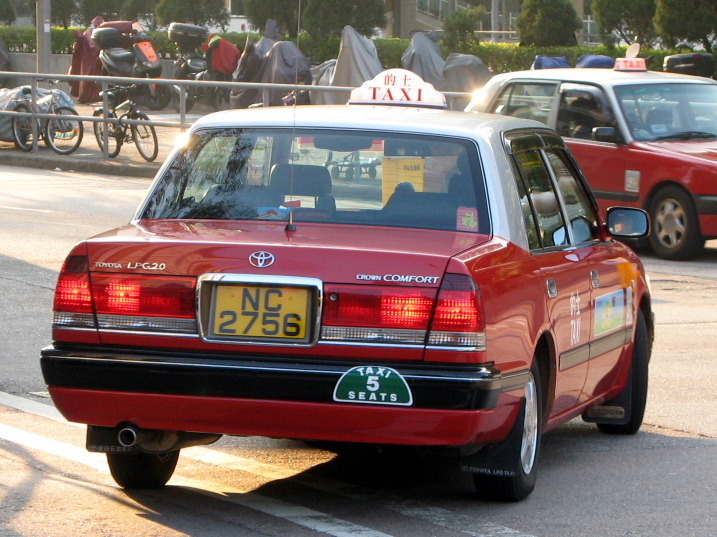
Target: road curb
[(87, 163)]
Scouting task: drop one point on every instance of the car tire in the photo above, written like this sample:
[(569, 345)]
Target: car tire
[(675, 232), (637, 383), (528, 429), (142, 470)]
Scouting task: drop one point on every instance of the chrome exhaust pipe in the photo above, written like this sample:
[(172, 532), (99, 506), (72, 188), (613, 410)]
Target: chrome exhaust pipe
[(127, 437)]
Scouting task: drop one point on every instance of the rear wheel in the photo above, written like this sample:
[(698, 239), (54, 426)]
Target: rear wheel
[(115, 134), (145, 138), (159, 96), (22, 129), (516, 485), (142, 470), (221, 99), (675, 230), (64, 133)]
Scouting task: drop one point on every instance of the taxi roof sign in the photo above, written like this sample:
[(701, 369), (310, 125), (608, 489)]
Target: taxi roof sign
[(630, 64), (398, 87)]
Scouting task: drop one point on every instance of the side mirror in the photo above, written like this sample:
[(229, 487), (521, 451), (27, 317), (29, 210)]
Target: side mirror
[(606, 134), (627, 222)]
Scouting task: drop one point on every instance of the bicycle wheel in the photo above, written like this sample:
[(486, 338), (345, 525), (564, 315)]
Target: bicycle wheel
[(64, 134), (145, 138), (114, 140), (22, 129)]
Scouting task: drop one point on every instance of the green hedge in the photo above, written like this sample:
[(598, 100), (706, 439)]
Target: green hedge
[(499, 57)]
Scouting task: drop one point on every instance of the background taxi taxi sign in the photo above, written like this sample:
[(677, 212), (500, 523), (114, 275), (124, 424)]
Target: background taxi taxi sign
[(398, 87), (630, 64)]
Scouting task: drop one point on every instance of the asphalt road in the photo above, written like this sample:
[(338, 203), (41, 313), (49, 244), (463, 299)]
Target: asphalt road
[(659, 482)]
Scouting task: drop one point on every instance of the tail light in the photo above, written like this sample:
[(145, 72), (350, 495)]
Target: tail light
[(451, 318), (122, 302), (458, 320), (73, 306), (376, 314)]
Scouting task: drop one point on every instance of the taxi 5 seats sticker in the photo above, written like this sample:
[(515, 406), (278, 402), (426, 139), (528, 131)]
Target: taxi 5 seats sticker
[(610, 312), (373, 385)]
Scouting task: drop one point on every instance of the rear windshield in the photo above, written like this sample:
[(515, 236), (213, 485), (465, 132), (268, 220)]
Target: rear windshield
[(373, 178)]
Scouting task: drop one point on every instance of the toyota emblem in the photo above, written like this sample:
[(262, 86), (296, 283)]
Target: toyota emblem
[(261, 259)]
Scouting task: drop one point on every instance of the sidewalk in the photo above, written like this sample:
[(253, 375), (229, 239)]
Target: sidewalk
[(89, 159)]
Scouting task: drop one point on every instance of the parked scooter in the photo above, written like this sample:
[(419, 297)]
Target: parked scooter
[(126, 50), (191, 65)]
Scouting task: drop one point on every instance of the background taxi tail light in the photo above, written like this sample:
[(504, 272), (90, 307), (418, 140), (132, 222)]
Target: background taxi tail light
[(458, 319), (144, 303), (376, 314), (73, 307)]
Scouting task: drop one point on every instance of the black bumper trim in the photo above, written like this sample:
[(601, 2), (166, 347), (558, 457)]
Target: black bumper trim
[(443, 386), (705, 204)]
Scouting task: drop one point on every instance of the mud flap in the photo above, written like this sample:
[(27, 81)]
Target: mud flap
[(616, 411), (501, 459)]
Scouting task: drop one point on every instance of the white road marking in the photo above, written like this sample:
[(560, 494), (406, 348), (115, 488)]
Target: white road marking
[(25, 209), (433, 515)]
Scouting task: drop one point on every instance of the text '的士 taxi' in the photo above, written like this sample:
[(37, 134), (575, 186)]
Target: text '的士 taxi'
[(385, 272)]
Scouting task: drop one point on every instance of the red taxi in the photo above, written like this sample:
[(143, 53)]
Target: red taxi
[(467, 296), (643, 139)]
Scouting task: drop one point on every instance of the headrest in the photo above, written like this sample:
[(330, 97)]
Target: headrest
[(300, 180)]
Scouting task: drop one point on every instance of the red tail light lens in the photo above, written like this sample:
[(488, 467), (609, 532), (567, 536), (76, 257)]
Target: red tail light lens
[(389, 307), (162, 296), (457, 307), (72, 293)]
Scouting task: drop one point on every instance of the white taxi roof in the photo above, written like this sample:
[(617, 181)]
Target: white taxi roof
[(601, 77), (365, 117)]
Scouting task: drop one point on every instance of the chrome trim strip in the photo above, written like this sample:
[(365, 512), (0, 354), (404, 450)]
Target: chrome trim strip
[(515, 379), (611, 342), (574, 357)]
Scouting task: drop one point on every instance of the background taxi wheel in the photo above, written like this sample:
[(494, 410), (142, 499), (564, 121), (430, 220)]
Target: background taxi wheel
[(637, 382), (675, 230), (513, 488), (142, 470)]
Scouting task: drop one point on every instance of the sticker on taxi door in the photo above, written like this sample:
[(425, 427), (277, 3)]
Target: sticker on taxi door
[(373, 385)]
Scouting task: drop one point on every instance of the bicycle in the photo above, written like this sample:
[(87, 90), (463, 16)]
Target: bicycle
[(119, 133), (61, 134)]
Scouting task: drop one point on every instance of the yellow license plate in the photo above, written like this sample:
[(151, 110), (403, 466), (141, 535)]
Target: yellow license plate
[(260, 312)]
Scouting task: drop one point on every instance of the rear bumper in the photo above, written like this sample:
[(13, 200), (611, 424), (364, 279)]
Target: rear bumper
[(280, 398)]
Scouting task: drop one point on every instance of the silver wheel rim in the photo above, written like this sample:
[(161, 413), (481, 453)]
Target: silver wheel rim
[(670, 223), (529, 445)]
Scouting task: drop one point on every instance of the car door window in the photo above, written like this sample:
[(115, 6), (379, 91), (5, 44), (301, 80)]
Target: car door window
[(526, 100), (540, 195), (580, 111), (580, 213)]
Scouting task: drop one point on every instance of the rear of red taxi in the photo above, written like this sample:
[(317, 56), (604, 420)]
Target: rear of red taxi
[(145, 364)]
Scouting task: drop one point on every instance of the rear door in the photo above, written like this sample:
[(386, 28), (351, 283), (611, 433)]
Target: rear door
[(565, 278)]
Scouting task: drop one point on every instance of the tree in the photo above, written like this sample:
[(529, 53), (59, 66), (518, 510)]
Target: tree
[(284, 12), (89, 9), (689, 20), (625, 20), (459, 28), (548, 23), (199, 12), (62, 12), (134, 10), (323, 18), (7, 12)]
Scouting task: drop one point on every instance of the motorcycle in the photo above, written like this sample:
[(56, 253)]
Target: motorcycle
[(191, 65), (126, 50)]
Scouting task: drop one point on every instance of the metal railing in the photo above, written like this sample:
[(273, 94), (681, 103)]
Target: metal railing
[(104, 82)]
